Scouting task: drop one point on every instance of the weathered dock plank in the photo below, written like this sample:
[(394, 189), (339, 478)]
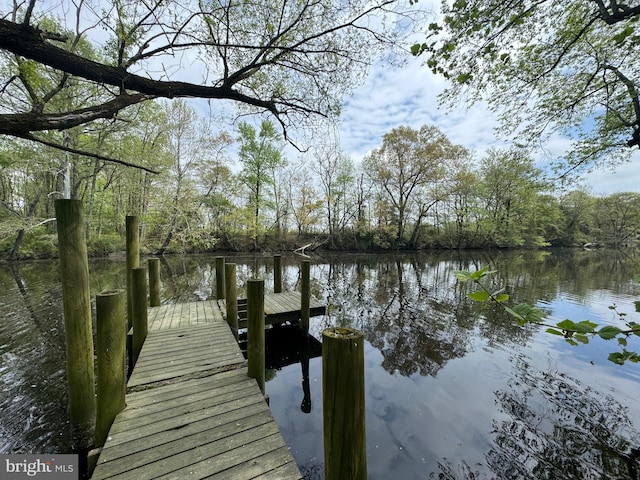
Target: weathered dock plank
[(278, 308), (179, 315), (192, 411), (189, 351), (196, 429)]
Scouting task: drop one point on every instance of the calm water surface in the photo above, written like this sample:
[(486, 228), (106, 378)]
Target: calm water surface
[(453, 390)]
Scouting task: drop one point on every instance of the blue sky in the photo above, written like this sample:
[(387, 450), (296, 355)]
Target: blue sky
[(393, 96)]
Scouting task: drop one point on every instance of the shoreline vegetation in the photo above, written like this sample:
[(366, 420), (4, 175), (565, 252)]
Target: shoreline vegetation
[(44, 246)]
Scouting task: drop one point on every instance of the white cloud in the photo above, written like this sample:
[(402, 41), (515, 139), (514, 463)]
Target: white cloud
[(625, 178), (407, 95)]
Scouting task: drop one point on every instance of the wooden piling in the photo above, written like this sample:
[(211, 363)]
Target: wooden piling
[(231, 295), (110, 349), (132, 259), (154, 282), (74, 270), (220, 288), (140, 323), (277, 274), (255, 331), (345, 453), (305, 296)]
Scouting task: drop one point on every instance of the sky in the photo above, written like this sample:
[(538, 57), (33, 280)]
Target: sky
[(393, 96)]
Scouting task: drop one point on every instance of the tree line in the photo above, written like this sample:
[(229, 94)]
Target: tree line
[(80, 118), (238, 191)]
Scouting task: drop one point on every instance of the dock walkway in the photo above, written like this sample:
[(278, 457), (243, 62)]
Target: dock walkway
[(192, 411)]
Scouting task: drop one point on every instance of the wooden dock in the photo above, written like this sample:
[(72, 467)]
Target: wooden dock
[(278, 308), (192, 411)]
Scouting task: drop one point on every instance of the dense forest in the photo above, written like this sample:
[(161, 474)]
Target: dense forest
[(238, 191), (93, 106)]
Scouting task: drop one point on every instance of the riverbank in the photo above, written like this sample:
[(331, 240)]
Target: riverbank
[(34, 247)]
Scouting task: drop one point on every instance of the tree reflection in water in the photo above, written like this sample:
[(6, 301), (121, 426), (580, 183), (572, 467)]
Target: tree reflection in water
[(416, 314), (556, 428), (437, 362), (559, 425)]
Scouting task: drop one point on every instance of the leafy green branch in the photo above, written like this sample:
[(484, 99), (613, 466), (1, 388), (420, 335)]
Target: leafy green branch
[(573, 332)]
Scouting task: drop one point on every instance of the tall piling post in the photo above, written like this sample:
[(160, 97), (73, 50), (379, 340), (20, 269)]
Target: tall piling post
[(305, 296), (132, 259), (140, 321), (277, 274), (345, 451), (110, 349), (255, 331), (154, 282), (231, 295), (220, 288), (74, 271)]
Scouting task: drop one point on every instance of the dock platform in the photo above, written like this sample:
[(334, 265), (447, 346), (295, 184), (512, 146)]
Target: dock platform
[(191, 410)]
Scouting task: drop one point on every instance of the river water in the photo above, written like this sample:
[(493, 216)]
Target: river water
[(454, 390)]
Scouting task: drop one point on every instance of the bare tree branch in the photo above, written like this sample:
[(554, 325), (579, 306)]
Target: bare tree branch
[(20, 124), (615, 12), (55, 145), (28, 42)]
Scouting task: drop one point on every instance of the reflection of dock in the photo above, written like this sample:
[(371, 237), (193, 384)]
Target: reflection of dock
[(191, 409), (286, 345)]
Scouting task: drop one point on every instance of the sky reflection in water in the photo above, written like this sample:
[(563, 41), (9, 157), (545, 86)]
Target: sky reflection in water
[(494, 402), (454, 391)]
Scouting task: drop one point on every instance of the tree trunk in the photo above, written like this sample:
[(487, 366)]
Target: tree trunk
[(16, 245), (92, 197)]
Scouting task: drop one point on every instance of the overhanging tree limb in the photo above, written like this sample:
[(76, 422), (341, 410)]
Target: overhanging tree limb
[(635, 102), (20, 124), (28, 42), (64, 148)]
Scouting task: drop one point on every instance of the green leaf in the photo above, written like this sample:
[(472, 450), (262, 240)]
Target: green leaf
[(622, 341), (585, 326), (617, 357), (621, 36), (528, 313), (479, 296), (566, 325), (459, 4), (415, 49), (620, 357), (572, 342), (521, 320), (502, 298), (553, 331), (464, 78), (582, 338), (608, 332), (535, 315), (462, 275), (483, 272)]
